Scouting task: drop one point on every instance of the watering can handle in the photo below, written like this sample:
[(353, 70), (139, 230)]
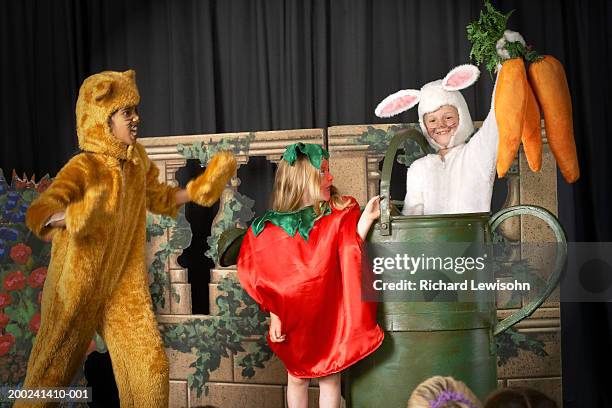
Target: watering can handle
[(553, 279), (385, 178)]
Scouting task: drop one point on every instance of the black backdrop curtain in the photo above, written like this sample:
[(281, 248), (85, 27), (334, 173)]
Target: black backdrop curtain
[(238, 65)]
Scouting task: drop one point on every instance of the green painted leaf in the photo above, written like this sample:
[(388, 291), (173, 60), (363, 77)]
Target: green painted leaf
[(15, 330)]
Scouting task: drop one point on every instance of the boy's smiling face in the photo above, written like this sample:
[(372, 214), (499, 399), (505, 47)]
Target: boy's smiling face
[(124, 124), (442, 124)]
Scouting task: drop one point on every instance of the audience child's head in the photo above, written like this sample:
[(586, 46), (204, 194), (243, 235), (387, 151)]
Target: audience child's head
[(443, 392), (519, 397)]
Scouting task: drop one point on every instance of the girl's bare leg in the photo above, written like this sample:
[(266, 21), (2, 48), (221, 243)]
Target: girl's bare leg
[(329, 391), (297, 392)]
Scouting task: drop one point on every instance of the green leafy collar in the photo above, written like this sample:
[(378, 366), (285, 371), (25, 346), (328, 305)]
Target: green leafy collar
[(301, 220)]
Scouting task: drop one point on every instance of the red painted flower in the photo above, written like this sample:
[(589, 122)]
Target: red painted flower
[(6, 341), (37, 277), (20, 253), (4, 320), (14, 281), (35, 323), (5, 299), (20, 184)]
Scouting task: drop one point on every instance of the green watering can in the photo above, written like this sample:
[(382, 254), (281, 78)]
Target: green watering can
[(427, 338)]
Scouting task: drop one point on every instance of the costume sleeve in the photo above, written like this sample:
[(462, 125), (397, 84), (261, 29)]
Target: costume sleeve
[(414, 202), (161, 198), (348, 237), (75, 191), (356, 274), (248, 275), (482, 147)]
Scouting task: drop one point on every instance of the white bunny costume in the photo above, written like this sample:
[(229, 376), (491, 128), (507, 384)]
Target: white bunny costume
[(462, 180)]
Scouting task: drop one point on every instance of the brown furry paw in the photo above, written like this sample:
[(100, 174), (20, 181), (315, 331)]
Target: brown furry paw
[(207, 188)]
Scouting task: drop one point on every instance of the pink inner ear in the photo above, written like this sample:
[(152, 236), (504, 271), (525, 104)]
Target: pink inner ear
[(459, 78), (398, 104)]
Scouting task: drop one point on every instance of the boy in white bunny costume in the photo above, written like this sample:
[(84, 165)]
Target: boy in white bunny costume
[(459, 177)]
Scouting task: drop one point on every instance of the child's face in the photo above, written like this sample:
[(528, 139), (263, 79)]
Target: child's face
[(326, 180), (124, 124), (442, 124)]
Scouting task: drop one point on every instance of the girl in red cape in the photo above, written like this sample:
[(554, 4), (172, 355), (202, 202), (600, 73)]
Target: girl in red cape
[(302, 262)]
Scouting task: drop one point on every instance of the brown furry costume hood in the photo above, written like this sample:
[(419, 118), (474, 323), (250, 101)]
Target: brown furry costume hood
[(100, 96)]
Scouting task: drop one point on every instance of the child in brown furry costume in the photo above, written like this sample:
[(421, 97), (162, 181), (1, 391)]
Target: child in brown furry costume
[(95, 213)]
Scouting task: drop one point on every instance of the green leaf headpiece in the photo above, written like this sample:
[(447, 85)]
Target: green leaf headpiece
[(315, 153)]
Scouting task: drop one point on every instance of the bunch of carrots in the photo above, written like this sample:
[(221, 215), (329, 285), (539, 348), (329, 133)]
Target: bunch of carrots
[(520, 94)]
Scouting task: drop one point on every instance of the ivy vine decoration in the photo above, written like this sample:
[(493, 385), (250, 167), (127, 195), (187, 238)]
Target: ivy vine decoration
[(378, 142), (523, 271), (378, 139), (236, 209), (205, 151), (179, 233), (236, 212), (511, 341), (211, 339)]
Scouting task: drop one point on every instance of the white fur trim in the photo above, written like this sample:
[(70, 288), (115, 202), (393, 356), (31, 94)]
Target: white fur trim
[(460, 77), (508, 37), (433, 96), (500, 46), (395, 104), (514, 36)]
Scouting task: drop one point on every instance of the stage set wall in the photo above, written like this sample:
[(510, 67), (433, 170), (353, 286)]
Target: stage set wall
[(355, 163)]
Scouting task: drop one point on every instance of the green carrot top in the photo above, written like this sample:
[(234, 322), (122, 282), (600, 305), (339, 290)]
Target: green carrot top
[(485, 33)]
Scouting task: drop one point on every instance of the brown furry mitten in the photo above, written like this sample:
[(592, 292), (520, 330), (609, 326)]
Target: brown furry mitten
[(207, 188)]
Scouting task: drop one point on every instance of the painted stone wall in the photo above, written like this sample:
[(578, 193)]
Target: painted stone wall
[(220, 360)]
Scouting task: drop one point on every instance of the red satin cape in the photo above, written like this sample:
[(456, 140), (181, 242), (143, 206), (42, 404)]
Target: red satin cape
[(314, 287)]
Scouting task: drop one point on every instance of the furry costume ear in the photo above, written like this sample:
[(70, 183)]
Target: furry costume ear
[(460, 77), (130, 73), (102, 90), (397, 103), (207, 188)]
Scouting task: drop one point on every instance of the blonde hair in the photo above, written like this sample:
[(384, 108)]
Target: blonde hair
[(431, 389), (299, 183)]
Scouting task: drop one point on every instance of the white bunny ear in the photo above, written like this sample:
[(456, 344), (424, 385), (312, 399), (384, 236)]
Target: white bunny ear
[(397, 103), (460, 77)]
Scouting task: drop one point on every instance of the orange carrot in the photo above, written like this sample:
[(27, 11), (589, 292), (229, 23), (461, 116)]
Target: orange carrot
[(509, 111), (531, 138), (547, 77)]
